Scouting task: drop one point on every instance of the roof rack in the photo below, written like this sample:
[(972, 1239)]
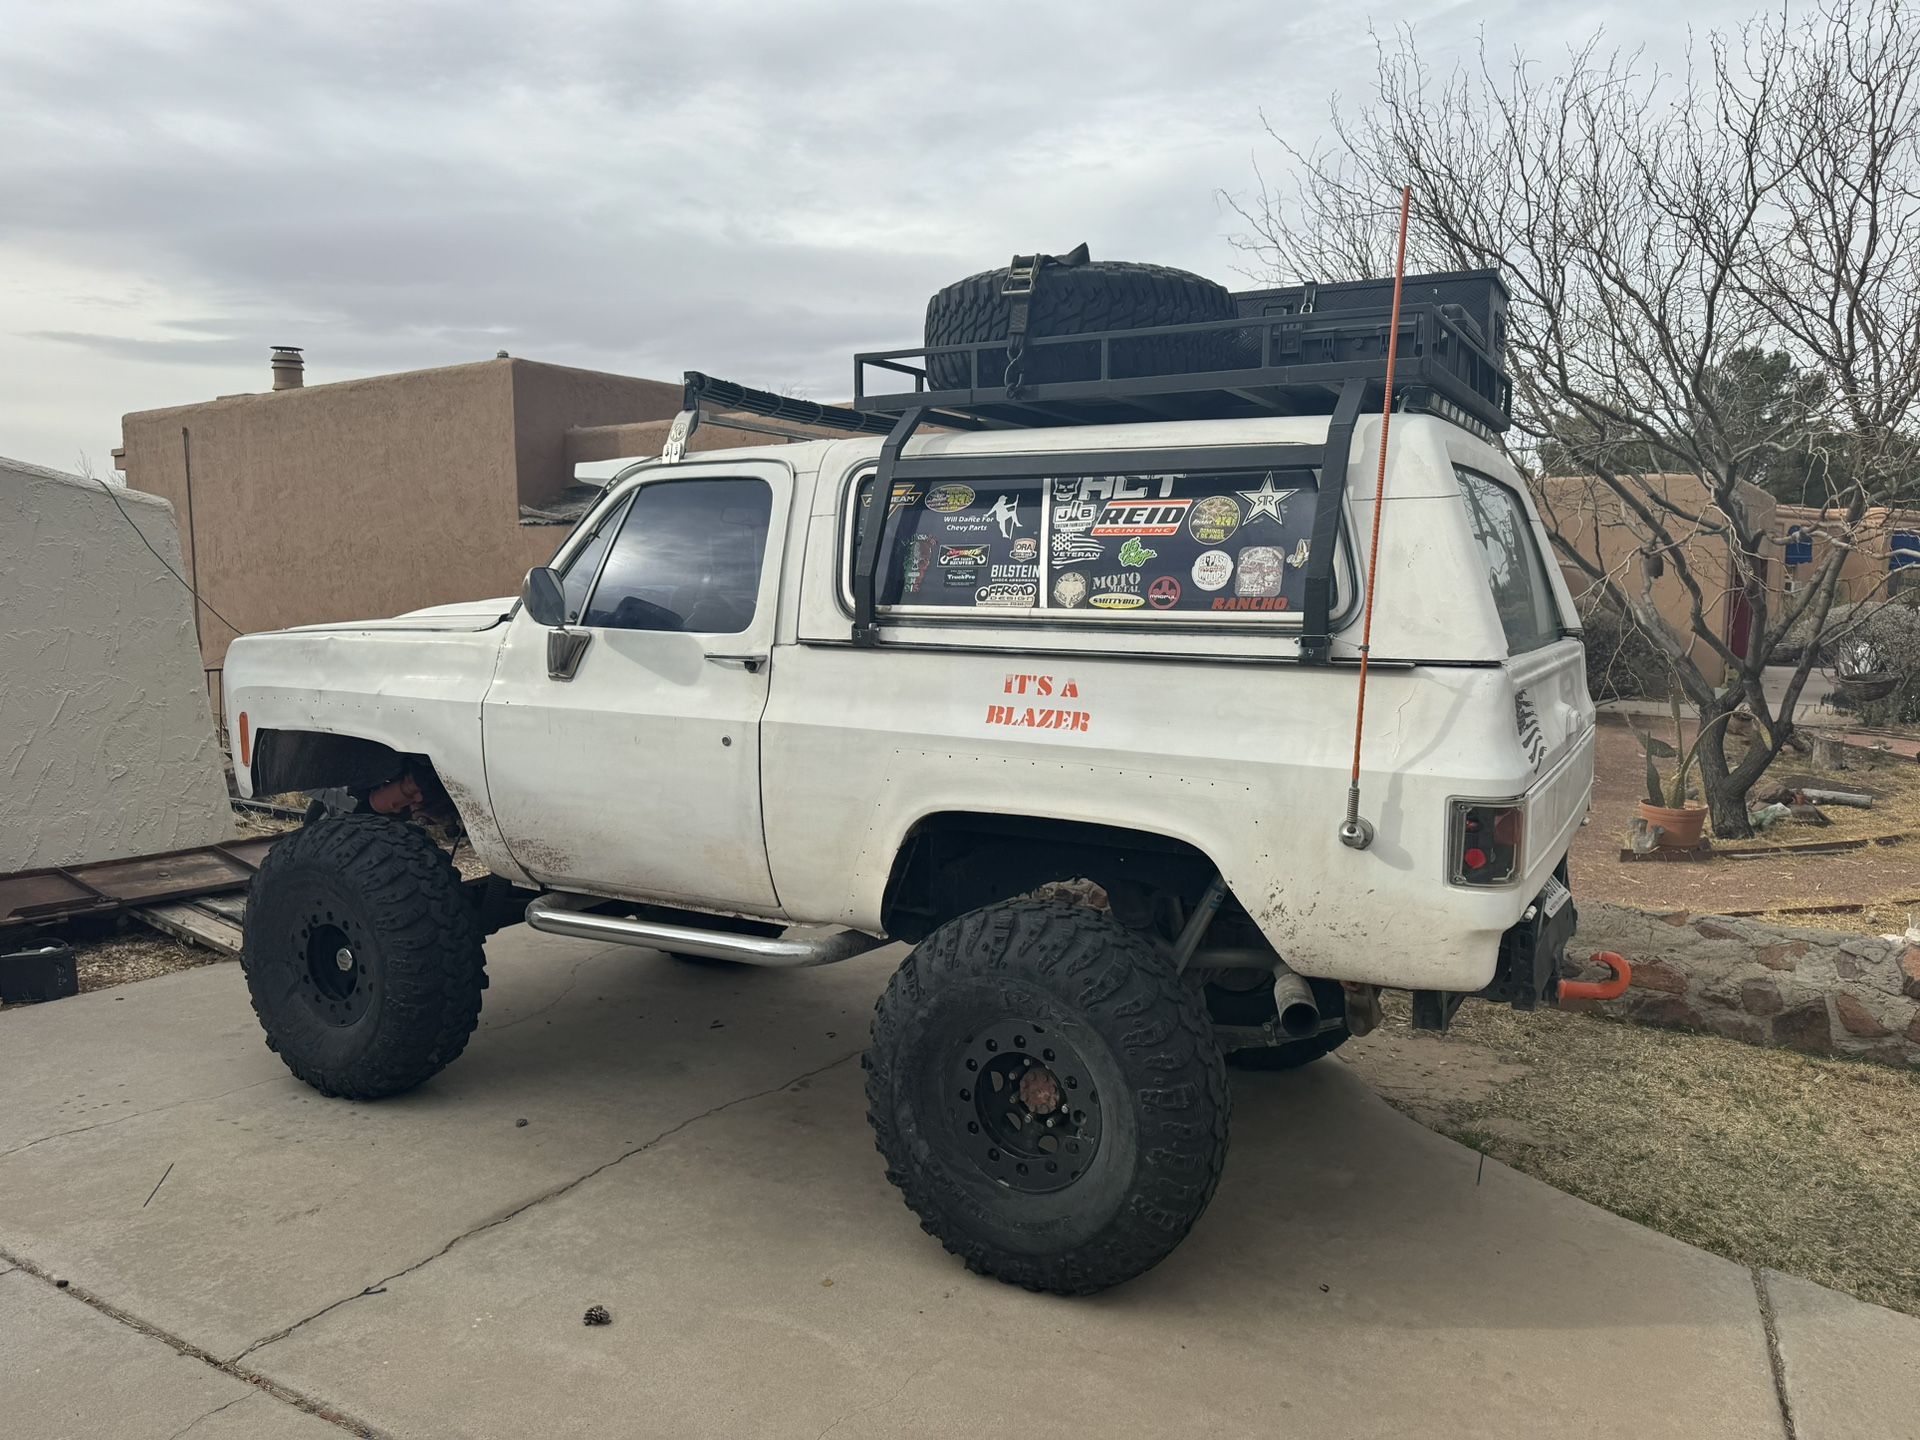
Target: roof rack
[(1283, 364), (1281, 355)]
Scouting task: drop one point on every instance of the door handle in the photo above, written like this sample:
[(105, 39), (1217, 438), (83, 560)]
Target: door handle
[(749, 663)]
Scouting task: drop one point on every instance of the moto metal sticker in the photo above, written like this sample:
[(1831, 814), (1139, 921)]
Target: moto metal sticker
[(1213, 569), (1141, 517), (1128, 583), (963, 554), (1008, 596), (946, 499)]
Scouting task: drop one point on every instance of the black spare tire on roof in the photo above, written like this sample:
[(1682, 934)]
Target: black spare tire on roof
[(1081, 299)]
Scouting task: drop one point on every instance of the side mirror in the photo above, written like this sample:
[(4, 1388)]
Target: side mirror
[(543, 596)]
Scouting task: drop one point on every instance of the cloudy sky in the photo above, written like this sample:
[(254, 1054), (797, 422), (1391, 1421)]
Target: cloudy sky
[(749, 189)]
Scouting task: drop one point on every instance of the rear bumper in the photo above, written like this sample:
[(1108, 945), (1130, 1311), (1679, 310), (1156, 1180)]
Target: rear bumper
[(1527, 972)]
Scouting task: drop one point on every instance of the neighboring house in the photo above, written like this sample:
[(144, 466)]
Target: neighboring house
[(1585, 514), (373, 496), (106, 744), (1884, 557)]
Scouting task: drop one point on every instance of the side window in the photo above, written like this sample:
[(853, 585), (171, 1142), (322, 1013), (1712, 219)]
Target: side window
[(577, 579), (1517, 574), (1181, 543), (687, 557)]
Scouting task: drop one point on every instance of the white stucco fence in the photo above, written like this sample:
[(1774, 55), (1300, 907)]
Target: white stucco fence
[(107, 744)]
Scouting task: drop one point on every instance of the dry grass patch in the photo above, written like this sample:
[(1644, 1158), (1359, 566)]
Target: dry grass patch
[(1766, 1157)]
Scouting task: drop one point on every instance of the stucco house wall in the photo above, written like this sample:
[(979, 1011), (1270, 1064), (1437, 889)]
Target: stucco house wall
[(371, 496), (107, 747)]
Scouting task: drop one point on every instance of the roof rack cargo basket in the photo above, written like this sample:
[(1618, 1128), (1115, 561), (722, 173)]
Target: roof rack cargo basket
[(1288, 353)]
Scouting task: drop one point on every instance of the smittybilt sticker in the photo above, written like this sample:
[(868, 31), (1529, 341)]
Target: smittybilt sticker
[(1116, 601), (1265, 503), (1134, 553)]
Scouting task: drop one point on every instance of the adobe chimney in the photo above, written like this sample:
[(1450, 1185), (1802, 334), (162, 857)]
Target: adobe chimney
[(289, 371)]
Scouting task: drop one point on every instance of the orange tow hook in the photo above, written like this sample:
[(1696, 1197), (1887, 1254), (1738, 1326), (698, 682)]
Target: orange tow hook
[(1600, 989)]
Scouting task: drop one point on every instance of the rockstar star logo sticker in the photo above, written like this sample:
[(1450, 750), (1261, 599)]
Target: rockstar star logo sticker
[(1266, 501)]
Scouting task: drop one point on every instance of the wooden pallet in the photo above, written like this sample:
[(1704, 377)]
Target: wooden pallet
[(210, 921)]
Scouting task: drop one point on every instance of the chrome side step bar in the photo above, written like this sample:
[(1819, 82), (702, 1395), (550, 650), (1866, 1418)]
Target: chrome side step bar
[(796, 949)]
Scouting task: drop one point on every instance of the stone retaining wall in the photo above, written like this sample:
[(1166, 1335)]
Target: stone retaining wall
[(1823, 992)]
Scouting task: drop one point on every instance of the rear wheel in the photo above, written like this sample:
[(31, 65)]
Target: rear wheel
[(1047, 1095), (362, 955)]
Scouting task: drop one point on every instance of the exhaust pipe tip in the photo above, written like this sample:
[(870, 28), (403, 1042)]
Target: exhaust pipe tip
[(1293, 1003)]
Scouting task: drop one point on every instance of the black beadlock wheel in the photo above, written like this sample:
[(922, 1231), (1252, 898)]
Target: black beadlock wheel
[(363, 958), (1047, 1095), (1081, 300)]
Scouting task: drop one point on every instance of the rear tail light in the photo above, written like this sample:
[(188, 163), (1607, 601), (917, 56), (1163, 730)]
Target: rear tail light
[(1486, 841)]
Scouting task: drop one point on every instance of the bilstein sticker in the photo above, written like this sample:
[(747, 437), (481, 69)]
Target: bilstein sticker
[(1114, 600)]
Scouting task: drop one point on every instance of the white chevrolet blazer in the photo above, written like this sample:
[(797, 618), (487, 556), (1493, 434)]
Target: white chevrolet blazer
[(1065, 720)]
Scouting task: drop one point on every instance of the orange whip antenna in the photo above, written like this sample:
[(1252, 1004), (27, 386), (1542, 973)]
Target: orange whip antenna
[(1356, 832)]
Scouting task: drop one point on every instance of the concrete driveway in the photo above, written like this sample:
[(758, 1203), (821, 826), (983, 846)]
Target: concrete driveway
[(695, 1158)]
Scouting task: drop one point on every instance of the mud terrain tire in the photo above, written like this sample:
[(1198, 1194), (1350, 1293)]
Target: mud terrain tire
[(364, 960), (1087, 1025), (1079, 300)]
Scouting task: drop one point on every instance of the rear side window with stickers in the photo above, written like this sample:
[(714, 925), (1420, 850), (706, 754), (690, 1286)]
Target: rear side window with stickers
[(1217, 543)]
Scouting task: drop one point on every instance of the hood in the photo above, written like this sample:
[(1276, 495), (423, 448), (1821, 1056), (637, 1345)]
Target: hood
[(466, 615)]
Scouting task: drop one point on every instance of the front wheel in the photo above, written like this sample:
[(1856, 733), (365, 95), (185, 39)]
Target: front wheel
[(1048, 1096), (362, 955)]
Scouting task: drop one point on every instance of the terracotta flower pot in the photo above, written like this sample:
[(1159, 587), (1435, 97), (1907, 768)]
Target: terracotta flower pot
[(1680, 829)]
